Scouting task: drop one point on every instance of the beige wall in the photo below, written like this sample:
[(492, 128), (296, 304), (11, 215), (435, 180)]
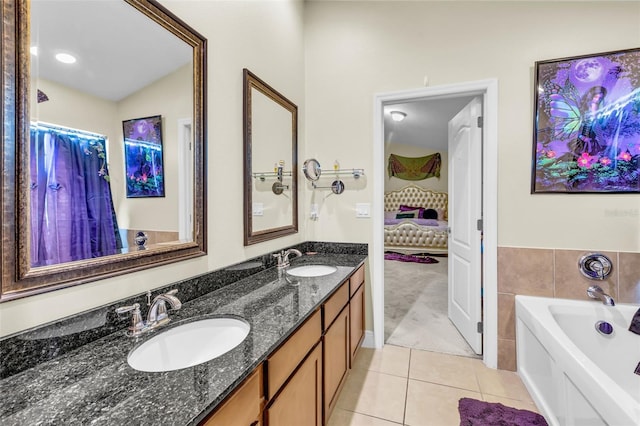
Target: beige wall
[(436, 184), (170, 97), (267, 38), (355, 50)]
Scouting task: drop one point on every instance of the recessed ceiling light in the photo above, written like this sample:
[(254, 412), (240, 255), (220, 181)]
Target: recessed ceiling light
[(398, 115), (66, 58), (34, 50)]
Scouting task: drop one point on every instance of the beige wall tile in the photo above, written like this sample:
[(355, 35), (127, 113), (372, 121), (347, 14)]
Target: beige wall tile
[(506, 316), (629, 277), (571, 284), (507, 354), (525, 271)]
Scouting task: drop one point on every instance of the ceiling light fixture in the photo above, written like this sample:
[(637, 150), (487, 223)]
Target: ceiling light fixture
[(397, 115), (66, 58)]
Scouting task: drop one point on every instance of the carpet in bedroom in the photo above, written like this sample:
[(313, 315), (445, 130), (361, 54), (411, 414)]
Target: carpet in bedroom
[(415, 311)]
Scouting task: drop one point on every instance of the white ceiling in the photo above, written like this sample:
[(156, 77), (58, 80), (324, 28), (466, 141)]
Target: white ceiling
[(425, 123), (119, 50)]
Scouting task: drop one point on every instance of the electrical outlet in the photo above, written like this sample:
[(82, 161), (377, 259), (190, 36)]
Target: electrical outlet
[(314, 212), (258, 209)]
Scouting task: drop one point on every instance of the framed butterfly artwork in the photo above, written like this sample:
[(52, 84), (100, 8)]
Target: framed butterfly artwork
[(586, 125)]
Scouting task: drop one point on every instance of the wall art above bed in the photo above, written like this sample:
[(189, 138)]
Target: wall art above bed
[(418, 168), (587, 124)]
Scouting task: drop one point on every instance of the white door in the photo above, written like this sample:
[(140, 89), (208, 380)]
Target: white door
[(465, 210), (185, 179)]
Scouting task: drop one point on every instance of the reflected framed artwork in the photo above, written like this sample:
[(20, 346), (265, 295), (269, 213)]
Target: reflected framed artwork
[(587, 124), (143, 157)]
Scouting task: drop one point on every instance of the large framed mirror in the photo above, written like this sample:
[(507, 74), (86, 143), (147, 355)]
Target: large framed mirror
[(271, 161), (103, 140)]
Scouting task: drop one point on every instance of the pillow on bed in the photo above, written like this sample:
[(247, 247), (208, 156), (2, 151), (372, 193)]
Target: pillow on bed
[(420, 210), (440, 214), (430, 214), (391, 214), (407, 214)]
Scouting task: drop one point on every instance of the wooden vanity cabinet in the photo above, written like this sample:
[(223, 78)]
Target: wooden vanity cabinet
[(294, 379), (243, 407), (300, 382), (356, 313), (336, 346)]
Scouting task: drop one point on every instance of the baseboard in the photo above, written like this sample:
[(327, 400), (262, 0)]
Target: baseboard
[(369, 340)]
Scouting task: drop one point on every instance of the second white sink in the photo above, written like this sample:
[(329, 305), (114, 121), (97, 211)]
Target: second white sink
[(189, 344), (311, 270)]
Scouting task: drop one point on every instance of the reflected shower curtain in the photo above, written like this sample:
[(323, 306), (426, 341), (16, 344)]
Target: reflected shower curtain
[(72, 212)]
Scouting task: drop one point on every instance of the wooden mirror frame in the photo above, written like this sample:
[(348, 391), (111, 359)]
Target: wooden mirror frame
[(250, 81), (19, 279)]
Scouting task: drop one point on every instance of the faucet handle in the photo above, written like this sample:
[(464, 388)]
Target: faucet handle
[(137, 323), (172, 292)]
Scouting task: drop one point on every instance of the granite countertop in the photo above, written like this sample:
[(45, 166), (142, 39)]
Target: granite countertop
[(94, 384)]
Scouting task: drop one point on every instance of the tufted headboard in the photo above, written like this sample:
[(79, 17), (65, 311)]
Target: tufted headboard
[(415, 196)]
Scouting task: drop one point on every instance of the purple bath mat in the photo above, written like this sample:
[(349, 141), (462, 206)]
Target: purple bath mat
[(409, 258), (481, 413)]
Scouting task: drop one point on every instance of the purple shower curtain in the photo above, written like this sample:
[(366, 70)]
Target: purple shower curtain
[(72, 212)]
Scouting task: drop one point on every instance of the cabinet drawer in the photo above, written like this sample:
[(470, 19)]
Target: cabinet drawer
[(334, 305), (284, 361), (244, 407), (356, 280)]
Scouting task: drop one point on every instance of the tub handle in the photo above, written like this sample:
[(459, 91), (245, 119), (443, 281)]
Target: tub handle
[(595, 266)]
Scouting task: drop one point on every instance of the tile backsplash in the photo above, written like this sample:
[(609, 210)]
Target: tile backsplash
[(554, 273)]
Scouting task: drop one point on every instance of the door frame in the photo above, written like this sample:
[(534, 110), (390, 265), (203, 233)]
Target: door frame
[(488, 89)]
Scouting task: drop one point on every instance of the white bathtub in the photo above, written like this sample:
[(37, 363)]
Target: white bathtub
[(575, 375)]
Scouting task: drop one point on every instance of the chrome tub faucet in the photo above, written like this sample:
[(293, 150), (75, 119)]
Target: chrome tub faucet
[(596, 292)]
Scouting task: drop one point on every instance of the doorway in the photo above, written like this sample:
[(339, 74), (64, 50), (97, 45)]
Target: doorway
[(416, 270), (487, 90)]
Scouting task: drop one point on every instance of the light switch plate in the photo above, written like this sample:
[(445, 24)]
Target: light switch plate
[(363, 210)]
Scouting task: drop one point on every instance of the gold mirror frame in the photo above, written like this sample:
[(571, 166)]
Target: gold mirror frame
[(19, 279), (251, 236)]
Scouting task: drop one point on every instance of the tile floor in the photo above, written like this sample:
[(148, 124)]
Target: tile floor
[(402, 386)]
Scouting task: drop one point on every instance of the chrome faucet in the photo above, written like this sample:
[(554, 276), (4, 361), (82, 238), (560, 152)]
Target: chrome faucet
[(158, 311), (157, 315), (283, 257), (596, 292)]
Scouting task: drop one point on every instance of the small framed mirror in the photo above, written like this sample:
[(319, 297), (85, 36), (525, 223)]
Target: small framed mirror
[(270, 152)]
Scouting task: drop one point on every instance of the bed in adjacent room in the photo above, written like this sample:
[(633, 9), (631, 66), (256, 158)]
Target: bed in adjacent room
[(415, 219)]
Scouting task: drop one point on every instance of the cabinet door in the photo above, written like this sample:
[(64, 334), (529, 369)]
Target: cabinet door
[(356, 318), (244, 407), (336, 359), (300, 400)]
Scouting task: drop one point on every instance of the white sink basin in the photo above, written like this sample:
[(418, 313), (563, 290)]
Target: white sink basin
[(189, 344), (311, 270)]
